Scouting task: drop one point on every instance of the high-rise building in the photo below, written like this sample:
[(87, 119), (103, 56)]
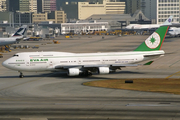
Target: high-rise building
[(3, 5), (114, 7), (24, 5), (165, 8), (53, 5), (46, 5), (33, 5), (86, 9), (22, 17), (71, 9), (39, 6), (12, 5), (132, 6), (149, 9), (54, 17)]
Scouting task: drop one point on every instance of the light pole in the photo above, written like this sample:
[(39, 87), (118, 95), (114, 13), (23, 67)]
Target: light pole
[(13, 19), (19, 19), (30, 18), (10, 19)]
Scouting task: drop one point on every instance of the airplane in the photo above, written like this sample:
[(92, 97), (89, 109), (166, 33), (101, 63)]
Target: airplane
[(174, 31), (15, 38), (149, 26), (87, 63)]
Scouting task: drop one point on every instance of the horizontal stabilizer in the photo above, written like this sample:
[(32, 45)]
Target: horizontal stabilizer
[(149, 63)]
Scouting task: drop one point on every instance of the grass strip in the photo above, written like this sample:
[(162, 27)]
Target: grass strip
[(170, 85)]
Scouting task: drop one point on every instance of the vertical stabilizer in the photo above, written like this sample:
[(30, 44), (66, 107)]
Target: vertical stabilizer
[(168, 21), (20, 31), (154, 41)]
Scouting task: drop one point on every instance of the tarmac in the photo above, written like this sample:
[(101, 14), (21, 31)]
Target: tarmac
[(56, 96)]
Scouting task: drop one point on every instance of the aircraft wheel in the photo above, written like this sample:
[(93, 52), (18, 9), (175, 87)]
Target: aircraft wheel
[(89, 74), (21, 76), (86, 73)]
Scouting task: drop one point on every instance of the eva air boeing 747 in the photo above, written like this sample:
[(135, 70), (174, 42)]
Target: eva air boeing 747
[(87, 63)]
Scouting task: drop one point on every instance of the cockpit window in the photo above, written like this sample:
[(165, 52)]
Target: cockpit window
[(15, 55)]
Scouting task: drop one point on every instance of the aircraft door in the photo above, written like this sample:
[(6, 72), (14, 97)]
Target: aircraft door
[(27, 63), (79, 61), (50, 64), (103, 61)]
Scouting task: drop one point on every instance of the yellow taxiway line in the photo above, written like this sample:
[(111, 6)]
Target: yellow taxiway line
[(177, 73)]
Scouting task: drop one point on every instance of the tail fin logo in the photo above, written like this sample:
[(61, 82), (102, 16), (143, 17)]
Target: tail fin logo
[(153, 41), (169, 20), (20, 32)]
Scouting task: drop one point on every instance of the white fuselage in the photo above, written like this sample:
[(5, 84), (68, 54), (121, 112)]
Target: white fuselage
[(141, 26), (173, 31), (10, 40), (47, 61)]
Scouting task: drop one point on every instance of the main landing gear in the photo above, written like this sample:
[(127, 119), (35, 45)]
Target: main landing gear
[(21, 75), (86, 73)]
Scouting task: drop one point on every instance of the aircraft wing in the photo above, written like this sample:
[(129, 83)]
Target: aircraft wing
[(94, 67)]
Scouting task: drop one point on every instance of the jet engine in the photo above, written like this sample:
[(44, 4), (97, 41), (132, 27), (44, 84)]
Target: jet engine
[(73, 72), (103, 70)]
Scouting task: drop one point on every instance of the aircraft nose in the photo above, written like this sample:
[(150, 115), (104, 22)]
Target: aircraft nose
[(5, 64)]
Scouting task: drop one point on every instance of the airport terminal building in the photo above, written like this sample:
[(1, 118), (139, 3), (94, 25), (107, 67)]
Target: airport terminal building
[(104, 22), (83, 27)]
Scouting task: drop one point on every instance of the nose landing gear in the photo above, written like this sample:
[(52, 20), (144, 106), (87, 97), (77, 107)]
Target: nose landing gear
[(21, 75)]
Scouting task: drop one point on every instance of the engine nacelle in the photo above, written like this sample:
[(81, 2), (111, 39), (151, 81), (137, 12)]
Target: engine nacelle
[(103, 70), (73, 72)]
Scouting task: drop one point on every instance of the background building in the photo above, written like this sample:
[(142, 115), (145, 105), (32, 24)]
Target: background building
[(121, 20), (86, 9), (7, 17), (22, 17), (33, 5), (132, 6), (86, 27), (149, 8), (53, 17), (39, 17), (60, 17), (48, 5), (24, 5), (165, 8), (39, 6), (71, 9), (3, 5), (114, 7), (12, 5), (53, 5)]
